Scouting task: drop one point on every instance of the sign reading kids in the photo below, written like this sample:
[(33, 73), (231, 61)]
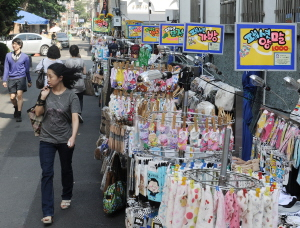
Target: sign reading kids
[(171, 34), (150, 34), (201, 38), (266, 47)]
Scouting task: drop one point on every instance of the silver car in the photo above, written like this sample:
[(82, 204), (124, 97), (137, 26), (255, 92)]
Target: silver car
[(63, 39), (33, 43)]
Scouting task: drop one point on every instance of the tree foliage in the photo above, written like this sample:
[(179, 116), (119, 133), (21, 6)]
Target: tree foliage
[(49, 9), (79, 8), (8, 14)]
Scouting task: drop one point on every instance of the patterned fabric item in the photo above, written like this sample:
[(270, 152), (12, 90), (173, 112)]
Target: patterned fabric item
[(114, 198), (36, 121)]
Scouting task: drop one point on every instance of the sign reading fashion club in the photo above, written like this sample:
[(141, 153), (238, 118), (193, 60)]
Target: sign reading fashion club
[(135, 31), (150, 34), (203, 38), (265, 47), (101, 25), (171, 34)]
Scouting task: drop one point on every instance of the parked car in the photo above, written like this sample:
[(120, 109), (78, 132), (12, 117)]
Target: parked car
[(63, 39), (32, 43)]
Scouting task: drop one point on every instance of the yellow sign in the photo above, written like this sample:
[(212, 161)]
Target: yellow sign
[(150, 34), (203, 38), (171, 34), (265, 47)]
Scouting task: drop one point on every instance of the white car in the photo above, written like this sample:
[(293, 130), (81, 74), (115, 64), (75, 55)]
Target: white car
[(33, 43)]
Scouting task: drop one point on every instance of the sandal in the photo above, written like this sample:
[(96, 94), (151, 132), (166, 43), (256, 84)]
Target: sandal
[(47, 220), (65, 204)]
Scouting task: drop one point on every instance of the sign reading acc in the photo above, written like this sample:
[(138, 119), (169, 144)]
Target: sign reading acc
[(280, 48)]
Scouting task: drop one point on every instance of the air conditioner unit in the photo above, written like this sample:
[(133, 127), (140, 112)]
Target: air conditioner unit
[(172, 14), (117, 21)]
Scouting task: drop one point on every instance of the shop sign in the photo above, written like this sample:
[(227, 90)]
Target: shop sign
[(171, 34), (203, 38), (150, 34), (135, 31), (101, 25), (265, 47)]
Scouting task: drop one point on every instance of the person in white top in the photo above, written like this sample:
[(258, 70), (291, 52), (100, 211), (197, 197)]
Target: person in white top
[(53, 56)]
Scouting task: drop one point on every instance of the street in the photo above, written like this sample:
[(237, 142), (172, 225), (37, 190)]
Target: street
[(20, 172)]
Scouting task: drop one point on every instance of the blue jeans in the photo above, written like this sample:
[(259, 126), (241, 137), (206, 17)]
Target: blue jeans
[(47, 156)]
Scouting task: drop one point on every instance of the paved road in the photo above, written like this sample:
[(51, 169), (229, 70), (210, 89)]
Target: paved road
[(20, 173)]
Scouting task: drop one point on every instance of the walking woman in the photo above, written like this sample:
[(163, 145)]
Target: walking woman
[(60, 107), (77, 62), (53, 56)]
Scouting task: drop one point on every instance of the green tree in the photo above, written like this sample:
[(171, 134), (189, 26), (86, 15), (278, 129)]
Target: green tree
[(79, 8), (8, 14), (49, 9)]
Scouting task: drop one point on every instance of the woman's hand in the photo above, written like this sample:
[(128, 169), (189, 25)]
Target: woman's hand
[(45, 92), (71, 142)]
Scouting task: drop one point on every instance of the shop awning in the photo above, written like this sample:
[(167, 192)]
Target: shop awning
[(31, 19)]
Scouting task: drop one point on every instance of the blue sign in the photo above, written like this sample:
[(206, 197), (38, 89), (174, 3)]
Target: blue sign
[(203, 38), (270, 47)]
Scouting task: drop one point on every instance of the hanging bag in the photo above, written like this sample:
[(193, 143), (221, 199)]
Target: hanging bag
[(41, 77), (114, 197), (89, 88), (36, 121)]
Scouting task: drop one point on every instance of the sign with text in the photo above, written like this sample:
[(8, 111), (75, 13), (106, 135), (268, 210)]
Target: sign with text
[(265, 47), (101, 25), (203, 38), (171, 34), (150, 34), (135, 31)]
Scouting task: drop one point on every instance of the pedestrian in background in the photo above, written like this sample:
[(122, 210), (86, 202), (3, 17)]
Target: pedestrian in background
[(60, 107), (53, 56), (77, 62), (16, 70), (53, 37)]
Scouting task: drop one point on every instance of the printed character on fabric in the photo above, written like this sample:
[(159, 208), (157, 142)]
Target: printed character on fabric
[(155, 182), (256, 201), (242, 200), (113, 80), (193, 204), (120, 78), (144, 132), (153, 140), (267, 214), (162, 135), (194, 137), (173, 139), (268, 128), (171, 199), (162, 213), (261, 123), (206, 212), (182, 139), (180, 205), (219, 209)]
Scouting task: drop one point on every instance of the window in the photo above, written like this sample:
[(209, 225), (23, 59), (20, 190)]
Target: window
[(32, 37), (61, 35), (22, 37), (287, 11)]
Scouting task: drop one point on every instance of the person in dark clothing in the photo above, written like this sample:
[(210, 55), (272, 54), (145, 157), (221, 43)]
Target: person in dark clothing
[(16, 70), (113, 48)]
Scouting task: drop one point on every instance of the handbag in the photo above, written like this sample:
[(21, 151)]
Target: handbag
[(36, 121), (89, 88), (41, 77), (114, 198)]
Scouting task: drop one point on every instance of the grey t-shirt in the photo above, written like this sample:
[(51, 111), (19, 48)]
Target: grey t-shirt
[(57, 122), (76, 63)]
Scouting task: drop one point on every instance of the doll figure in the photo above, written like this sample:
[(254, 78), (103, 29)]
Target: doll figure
[(182, 139), (173, 139)]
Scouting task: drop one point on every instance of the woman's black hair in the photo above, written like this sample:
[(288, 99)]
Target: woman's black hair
[(74, 50), (18, 41), (53, 52), (70, 75)]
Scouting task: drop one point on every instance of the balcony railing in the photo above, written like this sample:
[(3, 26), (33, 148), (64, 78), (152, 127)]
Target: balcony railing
[(287, 11)]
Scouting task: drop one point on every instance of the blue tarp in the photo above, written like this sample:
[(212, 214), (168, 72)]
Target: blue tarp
[(31, 19)]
